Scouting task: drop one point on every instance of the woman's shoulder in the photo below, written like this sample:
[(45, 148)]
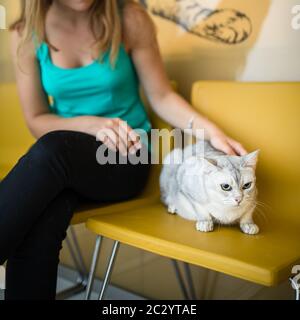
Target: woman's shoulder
[(19, 47), (138, 26)]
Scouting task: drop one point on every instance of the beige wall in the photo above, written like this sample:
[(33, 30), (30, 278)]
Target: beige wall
[(270, 53)]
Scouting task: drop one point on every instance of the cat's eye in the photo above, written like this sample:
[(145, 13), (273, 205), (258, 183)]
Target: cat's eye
[(226, 187), (247, 185)]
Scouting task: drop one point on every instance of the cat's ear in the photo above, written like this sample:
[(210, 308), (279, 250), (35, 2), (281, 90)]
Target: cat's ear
[(210, 165), (207, 165), (250, 159), (197, 159)]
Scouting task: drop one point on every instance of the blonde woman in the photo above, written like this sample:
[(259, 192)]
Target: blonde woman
[(78, 64)]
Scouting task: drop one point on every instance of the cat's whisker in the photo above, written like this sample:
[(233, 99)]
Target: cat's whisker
[(259, 211), (262, 214), (261, 217), (264, 204), (266, 209)]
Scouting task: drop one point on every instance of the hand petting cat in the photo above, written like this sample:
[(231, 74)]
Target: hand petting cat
[(217, 138), (226, 144)]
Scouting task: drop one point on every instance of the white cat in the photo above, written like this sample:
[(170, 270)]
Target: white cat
[(210, 186)]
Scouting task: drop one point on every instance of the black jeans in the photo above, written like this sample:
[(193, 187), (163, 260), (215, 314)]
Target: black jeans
[(38, 198)]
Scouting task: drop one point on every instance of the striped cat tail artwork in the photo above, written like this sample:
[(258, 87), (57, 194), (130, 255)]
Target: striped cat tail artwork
[(228, 26)]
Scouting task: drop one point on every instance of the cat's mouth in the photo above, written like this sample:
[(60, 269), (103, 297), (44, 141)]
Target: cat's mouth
[(237, 205), (230, 204)]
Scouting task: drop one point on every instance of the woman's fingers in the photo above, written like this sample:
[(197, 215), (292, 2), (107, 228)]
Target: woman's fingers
[(117, 135), (123, 132), (228, 145), (108, 137), (129, 136), (120, 141), (239, 149), (225, 147), (221, 144)]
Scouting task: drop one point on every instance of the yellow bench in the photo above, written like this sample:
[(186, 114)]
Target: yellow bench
[(15, 138), (261, 115)]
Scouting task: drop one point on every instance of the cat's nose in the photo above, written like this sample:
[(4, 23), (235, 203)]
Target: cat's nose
[(238, 200)]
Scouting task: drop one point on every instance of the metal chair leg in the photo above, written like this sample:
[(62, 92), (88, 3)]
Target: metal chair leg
[(109, 269), (190, 280), (93, 267), (77, 258), (180, 279), (80, 262)]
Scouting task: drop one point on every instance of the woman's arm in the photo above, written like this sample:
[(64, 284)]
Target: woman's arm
[(35, 107), (170, 106)]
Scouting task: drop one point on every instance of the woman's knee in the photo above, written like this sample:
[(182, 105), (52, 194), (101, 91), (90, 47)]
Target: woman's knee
[(50, 146)]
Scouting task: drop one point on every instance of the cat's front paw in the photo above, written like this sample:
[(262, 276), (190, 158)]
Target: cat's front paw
[(249, 228), (205, 225), (171, 209)]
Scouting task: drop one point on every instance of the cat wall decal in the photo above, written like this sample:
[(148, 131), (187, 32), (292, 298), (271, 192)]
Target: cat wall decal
[(228, 26)]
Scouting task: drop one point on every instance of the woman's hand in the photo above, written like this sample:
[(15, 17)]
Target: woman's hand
[(228, 145), (217, 137), (116, 134)]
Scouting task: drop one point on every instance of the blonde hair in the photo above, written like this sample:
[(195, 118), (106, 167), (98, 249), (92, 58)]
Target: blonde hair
[(107, 12)]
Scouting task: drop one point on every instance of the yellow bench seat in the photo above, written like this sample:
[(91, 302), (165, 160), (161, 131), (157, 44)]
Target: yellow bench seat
[(266, 258)]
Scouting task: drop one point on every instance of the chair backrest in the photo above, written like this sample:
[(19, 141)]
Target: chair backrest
[(262, 116), (15, 137)]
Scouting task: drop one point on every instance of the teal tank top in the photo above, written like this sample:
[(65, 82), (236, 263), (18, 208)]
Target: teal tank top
[(95, 89)]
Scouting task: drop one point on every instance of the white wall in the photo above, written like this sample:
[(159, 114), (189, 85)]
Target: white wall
[(276, 53)]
